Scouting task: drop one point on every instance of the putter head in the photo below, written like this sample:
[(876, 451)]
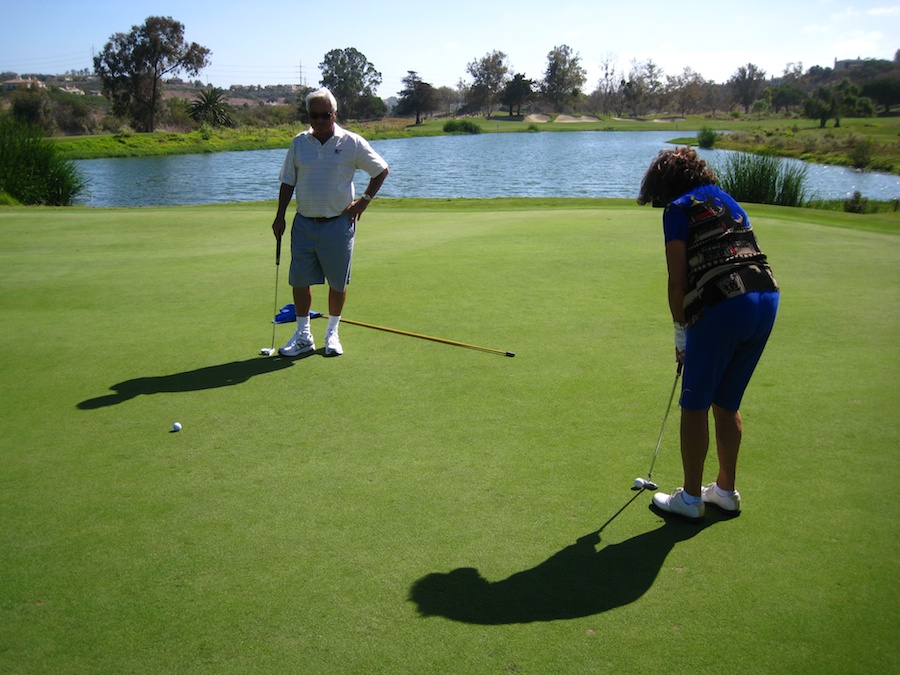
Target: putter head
[(267, 351), (644, 484)]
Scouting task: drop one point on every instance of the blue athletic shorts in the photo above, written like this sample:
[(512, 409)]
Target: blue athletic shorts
[(723, 348), (321, 251)]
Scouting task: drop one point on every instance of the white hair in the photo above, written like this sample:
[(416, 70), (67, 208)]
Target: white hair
[(322, 94)]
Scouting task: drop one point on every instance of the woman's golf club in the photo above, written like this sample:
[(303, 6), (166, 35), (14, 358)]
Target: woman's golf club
[(648, 484), (271, 350)]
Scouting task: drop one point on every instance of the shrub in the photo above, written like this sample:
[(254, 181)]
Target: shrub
[(462, 127), (73, 115), (54, 111), (861, 150), (31, 170), (706, 138), (856, 204), (764, 179), (760, 107), (263, 116), (176, 116), (33, 107), (111, 124), (7, 200)]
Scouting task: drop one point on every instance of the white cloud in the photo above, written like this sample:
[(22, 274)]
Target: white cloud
[(814, 28), (845, 15), (884, 11)]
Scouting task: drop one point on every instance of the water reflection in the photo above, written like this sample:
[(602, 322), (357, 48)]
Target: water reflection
[(557, 164)]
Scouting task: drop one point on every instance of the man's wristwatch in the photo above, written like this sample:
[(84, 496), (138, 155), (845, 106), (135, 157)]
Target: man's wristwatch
[(367, 197)]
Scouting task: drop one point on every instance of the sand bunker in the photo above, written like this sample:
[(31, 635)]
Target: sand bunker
[(583, 118), (636, 119), (562, 118)]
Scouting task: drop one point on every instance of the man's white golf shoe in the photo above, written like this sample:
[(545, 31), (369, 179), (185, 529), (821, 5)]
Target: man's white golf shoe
[(300, 343), (333, 345)]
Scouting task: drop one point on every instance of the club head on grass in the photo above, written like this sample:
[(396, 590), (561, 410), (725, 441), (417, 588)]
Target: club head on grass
[(644, 484)]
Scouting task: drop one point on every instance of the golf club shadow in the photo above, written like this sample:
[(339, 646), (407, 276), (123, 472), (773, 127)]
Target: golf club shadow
[(209, 377), (577, 581)]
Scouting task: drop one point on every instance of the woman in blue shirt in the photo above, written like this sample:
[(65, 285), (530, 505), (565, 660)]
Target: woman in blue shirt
[(723, 300)]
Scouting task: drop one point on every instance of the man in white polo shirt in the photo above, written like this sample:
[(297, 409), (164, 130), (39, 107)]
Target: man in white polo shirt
[(320, 166)]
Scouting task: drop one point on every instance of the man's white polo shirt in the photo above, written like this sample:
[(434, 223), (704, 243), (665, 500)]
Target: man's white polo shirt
[(323, 173)]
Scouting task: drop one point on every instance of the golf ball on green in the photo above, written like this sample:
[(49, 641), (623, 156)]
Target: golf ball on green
[(176, 426)]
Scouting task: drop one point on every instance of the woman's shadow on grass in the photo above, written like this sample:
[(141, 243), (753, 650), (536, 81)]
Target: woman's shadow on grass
[(210, 377), (577, 581)]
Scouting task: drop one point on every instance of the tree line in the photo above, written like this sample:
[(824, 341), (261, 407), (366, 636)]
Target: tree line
[(133, 67), (819, 93)]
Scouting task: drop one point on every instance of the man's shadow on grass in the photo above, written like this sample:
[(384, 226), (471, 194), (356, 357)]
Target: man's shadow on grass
[(210, 377), (577, 581)]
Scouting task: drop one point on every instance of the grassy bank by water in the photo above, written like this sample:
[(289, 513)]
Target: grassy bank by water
[(878, 138), (419, 507)]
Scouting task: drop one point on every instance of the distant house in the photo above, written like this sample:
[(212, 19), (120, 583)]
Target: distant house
[(22, 83), (847, 64)]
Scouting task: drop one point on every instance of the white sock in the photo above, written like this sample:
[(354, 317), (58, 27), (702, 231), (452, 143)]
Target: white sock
[(303, 324), (723, 493), (333, 322), (689, 498)]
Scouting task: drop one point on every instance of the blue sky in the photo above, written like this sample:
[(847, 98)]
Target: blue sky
[(275, 42)]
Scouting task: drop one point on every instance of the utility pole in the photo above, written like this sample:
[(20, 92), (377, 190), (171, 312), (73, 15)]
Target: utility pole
[(301, 79)]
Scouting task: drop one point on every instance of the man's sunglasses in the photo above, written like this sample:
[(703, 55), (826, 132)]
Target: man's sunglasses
[(320, 116)]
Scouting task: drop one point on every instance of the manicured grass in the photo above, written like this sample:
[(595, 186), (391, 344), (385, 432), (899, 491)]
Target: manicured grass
[(286, 526)]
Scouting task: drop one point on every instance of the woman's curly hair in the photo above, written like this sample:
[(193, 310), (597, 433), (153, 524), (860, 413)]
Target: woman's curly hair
[(671, 174)]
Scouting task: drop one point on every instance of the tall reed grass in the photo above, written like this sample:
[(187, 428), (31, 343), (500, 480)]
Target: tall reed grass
[(764, 179), (31, 170)]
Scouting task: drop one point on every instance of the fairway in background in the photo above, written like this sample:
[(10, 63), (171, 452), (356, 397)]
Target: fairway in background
[(285, 527)]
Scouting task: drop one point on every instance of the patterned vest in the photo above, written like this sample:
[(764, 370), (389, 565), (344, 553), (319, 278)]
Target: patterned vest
[(724, 260)]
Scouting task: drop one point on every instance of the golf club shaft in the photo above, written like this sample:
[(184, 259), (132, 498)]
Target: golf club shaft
[(427, 337), (277, 266), (665, 417)]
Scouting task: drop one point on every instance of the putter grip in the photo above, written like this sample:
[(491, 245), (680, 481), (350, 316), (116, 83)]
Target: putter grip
[(278, 251), (680, 367)]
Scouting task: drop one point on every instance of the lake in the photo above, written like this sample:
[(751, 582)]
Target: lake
[(548, 164)]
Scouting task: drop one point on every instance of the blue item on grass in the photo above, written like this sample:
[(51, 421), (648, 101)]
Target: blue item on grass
[(288, 313)]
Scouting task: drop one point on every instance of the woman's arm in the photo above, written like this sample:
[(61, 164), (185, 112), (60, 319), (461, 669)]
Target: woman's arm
[(676, 261)]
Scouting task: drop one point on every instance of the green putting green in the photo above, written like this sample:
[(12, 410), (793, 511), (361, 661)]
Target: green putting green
[(420, 507)]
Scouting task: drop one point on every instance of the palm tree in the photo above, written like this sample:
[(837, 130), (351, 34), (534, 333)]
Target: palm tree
[(210, 107)]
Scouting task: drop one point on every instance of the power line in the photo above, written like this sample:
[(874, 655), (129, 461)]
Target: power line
[(57, 62)]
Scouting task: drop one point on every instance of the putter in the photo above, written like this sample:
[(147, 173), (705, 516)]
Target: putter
[(314, 315), (271, 350), (647, 483)]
